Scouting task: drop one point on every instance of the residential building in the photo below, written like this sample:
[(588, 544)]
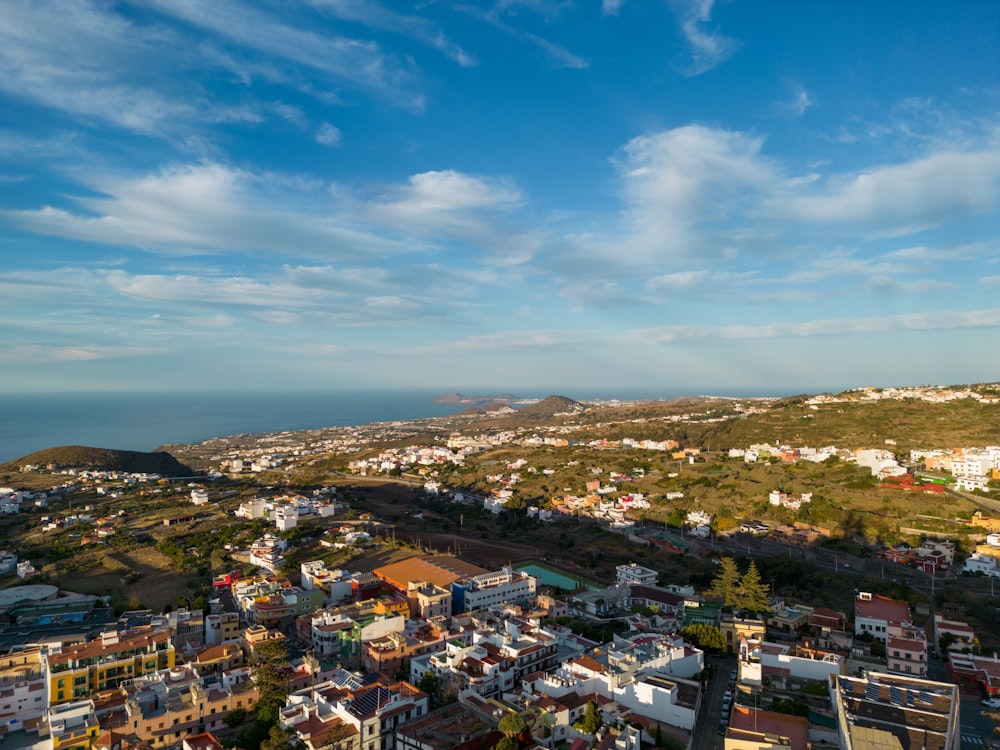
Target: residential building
[(633, 573), (880, 710), (166, 707), (221, 628), (453, 727), (373, 712), (428, 600), (76, 671), (487, 589), (336, 585), (754, 729), (22, 685), (880, 616), (71, 725), (777, 662)]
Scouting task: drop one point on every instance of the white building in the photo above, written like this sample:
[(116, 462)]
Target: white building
[(285, 516), (634, 573), (504, 585)]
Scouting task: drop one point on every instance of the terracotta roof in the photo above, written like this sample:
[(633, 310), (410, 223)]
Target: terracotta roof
[(588, 663), (795, 728), (441, 570), (882, 608)]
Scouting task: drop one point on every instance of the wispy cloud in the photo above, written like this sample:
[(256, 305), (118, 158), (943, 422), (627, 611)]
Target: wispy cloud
[(375, 15), (358, 63), (202, 208), (707, 49), (18, 352), (328, 135), (901, 199), (558, 55), (611, 7), (923, 321), (796, 104)]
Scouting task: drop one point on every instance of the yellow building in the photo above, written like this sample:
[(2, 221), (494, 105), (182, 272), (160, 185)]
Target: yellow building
[(985, 522), (72, 725), (77, 671), (733, 628)]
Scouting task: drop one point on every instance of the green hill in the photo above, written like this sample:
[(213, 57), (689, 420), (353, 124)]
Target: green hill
[(82, 457)]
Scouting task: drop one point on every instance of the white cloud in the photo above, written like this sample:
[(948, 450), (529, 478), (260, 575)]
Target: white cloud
[(192, 209), (990, 281), (501, 341), (95, 64), (904, 198), (707, 49), (20, 352), (376, 15), (356, 62), (924, 321), (796, 105), (682, 184), (328, 135), (611, 7), (967, 251)]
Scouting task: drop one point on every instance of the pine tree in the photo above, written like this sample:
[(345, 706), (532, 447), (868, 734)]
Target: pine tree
[(753, 594), (726, 585)]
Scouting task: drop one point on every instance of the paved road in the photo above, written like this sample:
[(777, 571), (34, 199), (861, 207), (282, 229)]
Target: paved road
[(706, 735), (977, 725)]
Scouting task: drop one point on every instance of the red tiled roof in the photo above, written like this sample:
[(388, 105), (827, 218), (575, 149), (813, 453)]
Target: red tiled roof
[(882, 608)]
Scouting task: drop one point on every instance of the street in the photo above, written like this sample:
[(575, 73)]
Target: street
[(706, 735)]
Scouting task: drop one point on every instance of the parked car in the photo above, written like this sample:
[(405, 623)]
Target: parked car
[(991, 702)]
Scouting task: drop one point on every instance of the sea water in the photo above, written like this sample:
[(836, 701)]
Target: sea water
[(144, 421)]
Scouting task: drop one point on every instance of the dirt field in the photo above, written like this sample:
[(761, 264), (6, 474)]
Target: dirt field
[(156, 585), (484, 552)]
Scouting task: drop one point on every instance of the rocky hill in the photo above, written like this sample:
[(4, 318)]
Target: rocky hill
[(82, 457)]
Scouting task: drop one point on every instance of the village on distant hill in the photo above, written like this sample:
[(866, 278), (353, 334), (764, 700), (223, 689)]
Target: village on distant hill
[(759, 574)]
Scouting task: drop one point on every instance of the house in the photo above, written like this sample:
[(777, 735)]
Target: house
[(884, 710), (636, 574)]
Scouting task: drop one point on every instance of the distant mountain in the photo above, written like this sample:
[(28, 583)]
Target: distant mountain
[(458, 399), (550, 406), (104, 459)]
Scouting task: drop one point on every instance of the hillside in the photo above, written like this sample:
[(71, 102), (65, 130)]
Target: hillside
[(549, 407), (82, 457), (910, 423)]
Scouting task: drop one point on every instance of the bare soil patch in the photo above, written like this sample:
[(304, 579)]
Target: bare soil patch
[(485, 552)]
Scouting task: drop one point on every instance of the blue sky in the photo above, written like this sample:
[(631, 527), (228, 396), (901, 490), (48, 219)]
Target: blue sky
[(660, 195)]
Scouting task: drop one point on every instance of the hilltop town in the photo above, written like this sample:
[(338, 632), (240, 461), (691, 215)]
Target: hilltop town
[(752, 573)]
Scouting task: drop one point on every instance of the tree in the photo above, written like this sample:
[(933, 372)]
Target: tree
[(707, 637), (752, 594), (507, 743), (282, 739), (235, 717), (269, 662), (512, 724), (726, 584), (430, 683), (592, 720)]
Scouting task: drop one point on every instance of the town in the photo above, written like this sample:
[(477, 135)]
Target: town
[(478, 584)]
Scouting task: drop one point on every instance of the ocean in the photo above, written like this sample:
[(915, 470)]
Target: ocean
[(144, 421)]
